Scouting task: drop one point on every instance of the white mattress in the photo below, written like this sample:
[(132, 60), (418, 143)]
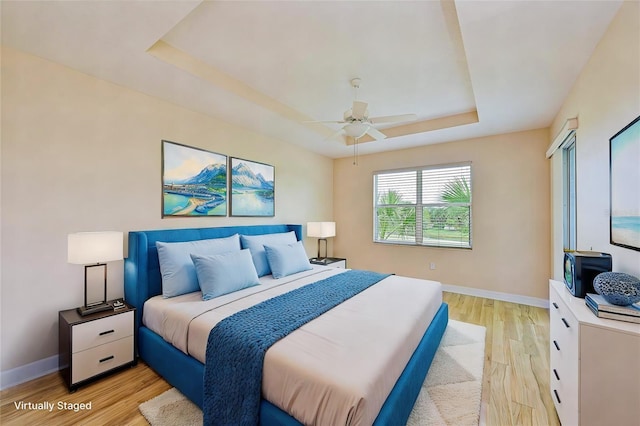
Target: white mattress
[(335, 370)]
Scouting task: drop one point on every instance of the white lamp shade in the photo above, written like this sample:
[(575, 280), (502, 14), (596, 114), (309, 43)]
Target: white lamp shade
[(86, 248), (321, 229)]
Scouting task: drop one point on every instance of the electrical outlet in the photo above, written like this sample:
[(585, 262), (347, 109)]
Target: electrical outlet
[(432, 265)]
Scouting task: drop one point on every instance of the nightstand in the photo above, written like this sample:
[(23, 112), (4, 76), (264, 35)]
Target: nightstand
[(94, 345), (334, 262)]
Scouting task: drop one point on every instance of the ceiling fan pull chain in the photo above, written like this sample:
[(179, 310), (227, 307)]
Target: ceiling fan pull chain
[(355, 152)]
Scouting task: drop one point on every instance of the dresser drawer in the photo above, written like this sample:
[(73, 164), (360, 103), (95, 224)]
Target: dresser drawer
[(99, 359), (101, 331), (564, 330)]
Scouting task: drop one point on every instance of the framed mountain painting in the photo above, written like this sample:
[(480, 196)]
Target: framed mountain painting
[(623, 180), (252, 188), (194, 181)]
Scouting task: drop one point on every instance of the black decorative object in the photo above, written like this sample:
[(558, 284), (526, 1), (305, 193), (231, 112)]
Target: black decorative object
[(618, 288)]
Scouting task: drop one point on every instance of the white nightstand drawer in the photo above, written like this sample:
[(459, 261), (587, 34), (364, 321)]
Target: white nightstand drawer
[(91, 362), (101, 331), (342, 264)]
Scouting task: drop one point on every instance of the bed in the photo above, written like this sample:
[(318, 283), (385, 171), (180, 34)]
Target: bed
[(183, 366)]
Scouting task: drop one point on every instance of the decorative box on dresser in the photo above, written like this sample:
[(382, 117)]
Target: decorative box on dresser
[(94, 345), (594, 364)]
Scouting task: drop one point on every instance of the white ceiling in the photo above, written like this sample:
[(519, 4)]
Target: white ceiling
[(270, 66)]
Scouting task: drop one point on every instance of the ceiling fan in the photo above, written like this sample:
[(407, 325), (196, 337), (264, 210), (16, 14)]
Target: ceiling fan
[(357, 122)]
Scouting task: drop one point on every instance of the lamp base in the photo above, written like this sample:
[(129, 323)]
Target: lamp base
[(88, 310)]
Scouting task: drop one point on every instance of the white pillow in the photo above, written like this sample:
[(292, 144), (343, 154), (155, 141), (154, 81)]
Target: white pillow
[(177, 270)]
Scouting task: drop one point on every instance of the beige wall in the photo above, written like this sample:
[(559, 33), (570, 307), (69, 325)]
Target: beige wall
[(82, 154), (605, 98), (510, 189)]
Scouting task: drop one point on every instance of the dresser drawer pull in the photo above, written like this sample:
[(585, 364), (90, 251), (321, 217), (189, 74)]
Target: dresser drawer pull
[(557, 397), (566, 324), (107, 332), (556, 373), (555, 305), (556, 345), (110, 357)]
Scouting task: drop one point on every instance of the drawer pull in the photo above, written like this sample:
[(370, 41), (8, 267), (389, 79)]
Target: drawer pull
[(566, 324), (556, 373), (557, 397), (107, 332), (556, 345), (555, 305), (110, 357)]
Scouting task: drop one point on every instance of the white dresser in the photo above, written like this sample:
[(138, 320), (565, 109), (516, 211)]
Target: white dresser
[(594, 364)]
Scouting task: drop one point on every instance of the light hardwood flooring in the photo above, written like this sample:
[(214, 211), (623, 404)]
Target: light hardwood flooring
[(515, 390)]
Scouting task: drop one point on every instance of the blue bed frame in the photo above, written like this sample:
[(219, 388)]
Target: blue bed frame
[(142, 281)]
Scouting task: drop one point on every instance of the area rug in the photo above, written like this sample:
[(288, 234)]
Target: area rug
[(450, 394)]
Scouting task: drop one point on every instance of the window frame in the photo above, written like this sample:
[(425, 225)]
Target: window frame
[(569, 193), (419, 205)]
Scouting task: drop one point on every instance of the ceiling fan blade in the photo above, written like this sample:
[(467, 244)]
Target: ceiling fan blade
[(393, 118), (334, 121), (359, 109), (335, 135), (376, 134)]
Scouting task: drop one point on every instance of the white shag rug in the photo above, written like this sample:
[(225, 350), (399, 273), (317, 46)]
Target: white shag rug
[(450, 394)]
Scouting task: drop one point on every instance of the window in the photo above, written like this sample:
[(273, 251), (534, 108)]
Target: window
[(428, 206), (569, 193)]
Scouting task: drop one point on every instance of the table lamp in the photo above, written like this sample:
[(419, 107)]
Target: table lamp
[(93, 250), (322, 231)]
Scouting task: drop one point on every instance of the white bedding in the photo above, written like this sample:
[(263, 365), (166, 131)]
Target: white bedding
[(335, 370)]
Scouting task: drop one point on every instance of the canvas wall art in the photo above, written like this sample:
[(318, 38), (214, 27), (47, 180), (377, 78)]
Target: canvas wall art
[(625, 181), (194, 181), (252, 188)]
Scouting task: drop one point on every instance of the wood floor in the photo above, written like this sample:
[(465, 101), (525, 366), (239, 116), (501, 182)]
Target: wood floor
[(515, 390)]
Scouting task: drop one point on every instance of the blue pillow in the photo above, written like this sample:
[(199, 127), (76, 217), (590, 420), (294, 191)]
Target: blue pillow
[(220, 274), (287, 259), (256, 244), (177, 270)]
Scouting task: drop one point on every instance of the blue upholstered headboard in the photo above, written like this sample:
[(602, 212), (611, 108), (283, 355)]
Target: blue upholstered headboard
[(142, 278)]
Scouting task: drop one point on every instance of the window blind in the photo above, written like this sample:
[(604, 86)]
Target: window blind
[(429, 205)]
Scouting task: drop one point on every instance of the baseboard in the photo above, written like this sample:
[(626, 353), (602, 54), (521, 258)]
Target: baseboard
[(27, 372), (505, 297)]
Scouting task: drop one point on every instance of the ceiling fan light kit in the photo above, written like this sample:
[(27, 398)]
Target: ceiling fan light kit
[(356, 129), (357, 122)]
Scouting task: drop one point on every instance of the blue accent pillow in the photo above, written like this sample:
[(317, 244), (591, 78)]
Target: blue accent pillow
[(287, 259), (177, 270), (256, 244), (220, 274)]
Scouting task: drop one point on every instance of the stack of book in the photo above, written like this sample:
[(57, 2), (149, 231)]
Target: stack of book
[(603, 309)]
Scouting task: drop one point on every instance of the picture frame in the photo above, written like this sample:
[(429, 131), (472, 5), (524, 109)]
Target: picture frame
[(624, 175), (194, 181), (252, 188)]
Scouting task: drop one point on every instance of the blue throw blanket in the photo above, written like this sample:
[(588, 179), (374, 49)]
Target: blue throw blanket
[(237, 344)]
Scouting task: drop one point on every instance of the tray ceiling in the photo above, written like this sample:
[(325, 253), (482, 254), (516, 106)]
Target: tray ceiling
[(465, 68)]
